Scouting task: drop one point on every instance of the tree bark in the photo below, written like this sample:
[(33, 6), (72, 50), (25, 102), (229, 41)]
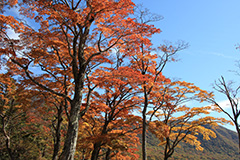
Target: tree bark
[(144, 154), (72, 133), (144, 128), (108, 154), (58, 133), (238, 132), (168, 151), (97, 145), (74, 116), (8, 141), (95, 153), (9, 149)]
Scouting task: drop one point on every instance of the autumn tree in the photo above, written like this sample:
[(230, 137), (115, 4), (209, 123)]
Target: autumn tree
[(172, 121), (232, 95), (63, 43), (150, 64), (47, 114), (16, 137), (8, 109), (7, 3), (110, 121), (108, 135)]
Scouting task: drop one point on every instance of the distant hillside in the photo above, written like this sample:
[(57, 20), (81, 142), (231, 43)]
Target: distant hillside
[(224, 147)]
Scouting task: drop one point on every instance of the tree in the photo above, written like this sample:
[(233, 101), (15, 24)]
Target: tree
[(150, 65), (64, 53), (231, 94), (175, 122), (110, 122), (150, 62), (66, 39), (8, 109), (16, 137), (47, 112), (8, 3)]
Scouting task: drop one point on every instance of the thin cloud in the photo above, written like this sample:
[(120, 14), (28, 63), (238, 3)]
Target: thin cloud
[(225, 104), (12, 34), (221, 55), (217, 54), (194, 53)]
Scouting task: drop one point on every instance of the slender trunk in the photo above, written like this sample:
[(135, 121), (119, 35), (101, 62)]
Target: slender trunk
[(95, 152), (8, 141), (108, 154), (166, 149), (144, 128), (83, 154), (238, 132), (58, 134), (8, 148), (239, 141), (166, 157), (144, 154), (168, 152), (97, 145)]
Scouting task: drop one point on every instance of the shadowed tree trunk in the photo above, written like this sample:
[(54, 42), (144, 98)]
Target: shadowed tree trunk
[(144, 126), (57, 138)]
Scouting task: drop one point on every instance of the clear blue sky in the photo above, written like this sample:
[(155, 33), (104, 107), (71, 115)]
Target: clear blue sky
[(212, 29)]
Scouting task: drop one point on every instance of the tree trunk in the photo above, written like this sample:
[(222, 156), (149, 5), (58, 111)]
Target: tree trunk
[(97, 145), (108, 154), (72, 132), (144, 154), (8, 141), (73, 119), (8, 148), (144, 128), (168, 151), (238, 132), (95, 152), (58, 133), (166, 157)]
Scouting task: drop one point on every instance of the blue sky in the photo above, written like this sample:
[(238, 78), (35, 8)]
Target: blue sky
[(212, 29)]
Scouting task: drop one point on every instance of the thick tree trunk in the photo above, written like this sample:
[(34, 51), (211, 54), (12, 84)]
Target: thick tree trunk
[(72, 133), (73, 119)]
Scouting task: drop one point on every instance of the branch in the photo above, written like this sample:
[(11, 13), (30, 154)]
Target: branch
[(101, 51), (25, 68)]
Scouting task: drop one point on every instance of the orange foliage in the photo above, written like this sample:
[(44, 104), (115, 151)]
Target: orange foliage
[(99, 53)]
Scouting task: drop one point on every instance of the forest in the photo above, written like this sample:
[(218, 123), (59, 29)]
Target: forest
[(84, 80)]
